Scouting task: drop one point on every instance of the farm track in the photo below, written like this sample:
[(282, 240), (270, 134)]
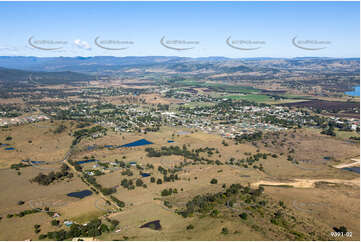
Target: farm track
[(90, 185)]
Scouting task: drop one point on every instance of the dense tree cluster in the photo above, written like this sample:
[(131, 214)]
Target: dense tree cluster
[(329, 131), (25, 212), (120, 204), (127, 172), (89, 131), (127, 183), (92, 229), (168, 192), (19, 165), (104, 190), (249, 137), (45, 180), (176, 150), (206, 203)]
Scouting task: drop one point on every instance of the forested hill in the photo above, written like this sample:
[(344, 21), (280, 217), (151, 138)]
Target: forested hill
[(14, 77)]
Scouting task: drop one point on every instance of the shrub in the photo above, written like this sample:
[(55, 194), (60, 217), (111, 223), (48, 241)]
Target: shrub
[(167, 204), (282, 204), (167, 192), (55, 222), (189, 227), (225, 230), (42, 236), (108, 190), (139, 182), (214, 213), (243, 216), (120, 204)]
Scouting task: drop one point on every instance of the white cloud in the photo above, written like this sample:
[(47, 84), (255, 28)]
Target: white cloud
[(82, 44)]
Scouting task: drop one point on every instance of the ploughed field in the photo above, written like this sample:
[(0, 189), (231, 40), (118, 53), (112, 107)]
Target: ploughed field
[(341, 108)]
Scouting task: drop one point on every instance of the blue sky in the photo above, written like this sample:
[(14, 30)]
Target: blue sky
[(271, 26)]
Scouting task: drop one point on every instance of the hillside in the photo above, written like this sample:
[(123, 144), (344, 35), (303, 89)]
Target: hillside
[(14, 76)]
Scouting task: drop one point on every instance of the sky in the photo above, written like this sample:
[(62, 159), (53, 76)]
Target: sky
[(189, 29)]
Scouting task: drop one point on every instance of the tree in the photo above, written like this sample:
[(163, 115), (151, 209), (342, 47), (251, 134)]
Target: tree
[(214, 213), (55, 222), (282, 204), (152, 179), (37, 228), (189, 227), (243, 216), (224, 143), (159, 181), (120, 204), (42, 236), (214, 181), (139, 182), (167, 192), (104, 228), (225, 230)]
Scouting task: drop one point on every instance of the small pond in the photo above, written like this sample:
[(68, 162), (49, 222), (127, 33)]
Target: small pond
[(153, 225), (140, 142), (353, 168), (85, 161), (80, 194)]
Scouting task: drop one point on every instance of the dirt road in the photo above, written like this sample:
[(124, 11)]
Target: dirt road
[(355, 163)]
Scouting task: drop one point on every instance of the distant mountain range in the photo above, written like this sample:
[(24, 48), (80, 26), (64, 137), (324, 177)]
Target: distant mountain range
[(20, 70), (100, 64)]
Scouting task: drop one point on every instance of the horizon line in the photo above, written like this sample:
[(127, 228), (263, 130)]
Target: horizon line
[(188, 57)]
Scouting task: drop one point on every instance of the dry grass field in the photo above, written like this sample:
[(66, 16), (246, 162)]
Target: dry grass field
[(334, 205), (314, 205), (19, 188), (310, 145), (36, 141)]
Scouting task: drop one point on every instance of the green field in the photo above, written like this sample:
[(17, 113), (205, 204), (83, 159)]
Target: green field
[(346, 134), (250, 97), (219, 87)]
